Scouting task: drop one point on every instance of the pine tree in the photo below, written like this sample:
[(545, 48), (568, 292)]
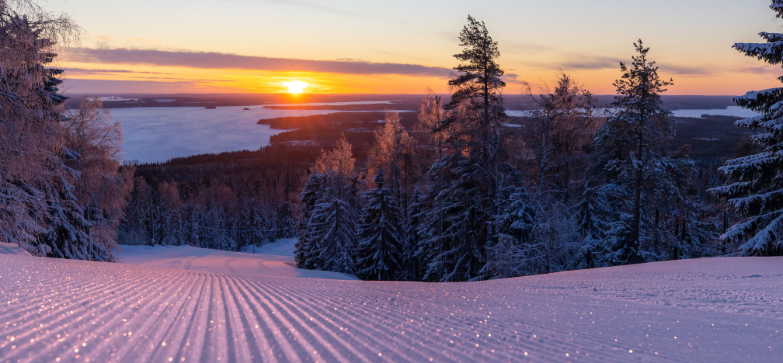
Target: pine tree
[(378, 255), (755, 188), (470, 172), (631, 159)]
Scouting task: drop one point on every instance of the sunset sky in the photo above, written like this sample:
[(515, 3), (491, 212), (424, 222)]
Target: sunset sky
[(404, 46)]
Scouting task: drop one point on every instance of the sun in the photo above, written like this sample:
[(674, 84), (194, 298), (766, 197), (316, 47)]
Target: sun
[(295, 86)]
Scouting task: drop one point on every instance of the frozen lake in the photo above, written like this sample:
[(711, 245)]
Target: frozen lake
[(157, 134), (730, 111)]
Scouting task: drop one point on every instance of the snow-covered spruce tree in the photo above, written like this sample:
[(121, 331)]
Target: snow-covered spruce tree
[(511, 256), (132, 225), (631, 162), (306, 244), (334, 220), (470, 169), (154, 221), (380, 234), (590, 213), (410, 266), (284, 219), (755, 188), (334, 223)]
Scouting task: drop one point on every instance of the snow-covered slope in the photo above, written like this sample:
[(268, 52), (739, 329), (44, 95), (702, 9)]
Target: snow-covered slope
[(274, 259), (717, 310), (12, 249)]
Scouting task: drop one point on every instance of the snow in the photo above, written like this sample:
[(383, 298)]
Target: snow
[(275, 259), (12, 249), (152, 308)]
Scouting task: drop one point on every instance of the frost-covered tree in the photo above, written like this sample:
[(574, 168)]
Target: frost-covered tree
[(40, 209), (561, 129), (755, 188), (380, 234), (102, 186)]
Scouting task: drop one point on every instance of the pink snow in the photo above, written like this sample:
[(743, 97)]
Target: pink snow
[(183, 304)]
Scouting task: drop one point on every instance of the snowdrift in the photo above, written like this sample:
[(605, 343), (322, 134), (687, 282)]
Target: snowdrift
[(179, 304)]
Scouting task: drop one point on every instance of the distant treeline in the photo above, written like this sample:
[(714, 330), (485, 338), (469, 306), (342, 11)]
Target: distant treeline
[(226, 201)]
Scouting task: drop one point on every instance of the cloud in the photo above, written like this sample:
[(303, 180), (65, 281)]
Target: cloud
[(581, 62), (211, 60), (312, 6), (87, 72), (590, 62), (759, 70), (685, 70)]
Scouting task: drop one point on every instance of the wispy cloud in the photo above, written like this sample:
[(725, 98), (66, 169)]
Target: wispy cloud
[(211, 60), (580, 62), (305, 4), (86, 72), (683, 70)]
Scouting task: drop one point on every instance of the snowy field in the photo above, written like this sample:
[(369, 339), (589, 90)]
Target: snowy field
[(182, 304)]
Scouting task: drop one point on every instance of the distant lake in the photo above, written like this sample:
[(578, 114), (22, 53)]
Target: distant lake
[(730, 111), (157, 134)]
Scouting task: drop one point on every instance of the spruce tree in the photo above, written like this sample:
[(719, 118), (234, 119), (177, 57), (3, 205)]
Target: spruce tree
[(306, 244), (334, 232), (381, 234), (755, 188), (411, 267), (284, 219)]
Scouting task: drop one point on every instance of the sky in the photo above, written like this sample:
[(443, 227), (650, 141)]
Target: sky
[(404, 46)]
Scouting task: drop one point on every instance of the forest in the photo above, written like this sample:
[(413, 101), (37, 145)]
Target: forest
[(456, 191)]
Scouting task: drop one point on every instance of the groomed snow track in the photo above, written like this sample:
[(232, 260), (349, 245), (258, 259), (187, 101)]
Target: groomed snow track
[(70, 311)]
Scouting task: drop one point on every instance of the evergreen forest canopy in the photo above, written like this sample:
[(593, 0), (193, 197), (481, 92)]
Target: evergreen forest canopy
[(456, 193)]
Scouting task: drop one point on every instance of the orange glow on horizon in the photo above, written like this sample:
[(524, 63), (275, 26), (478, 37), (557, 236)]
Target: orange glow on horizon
[(140, 79)]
